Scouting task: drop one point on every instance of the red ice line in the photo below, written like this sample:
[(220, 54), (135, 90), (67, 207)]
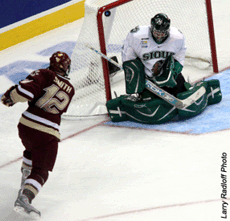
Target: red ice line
[(122, 213), (73, 135), (152, 208)]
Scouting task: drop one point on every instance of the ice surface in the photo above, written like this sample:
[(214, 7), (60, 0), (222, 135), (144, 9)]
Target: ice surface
[(106, 172)]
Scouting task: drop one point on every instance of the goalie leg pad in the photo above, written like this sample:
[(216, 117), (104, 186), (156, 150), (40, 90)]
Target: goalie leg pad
[(155, 111), (116, 109), (213, 91), (134, 76), (198, 106)]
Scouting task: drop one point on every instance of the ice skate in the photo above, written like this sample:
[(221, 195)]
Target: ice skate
[(25, 174), (23, 207)]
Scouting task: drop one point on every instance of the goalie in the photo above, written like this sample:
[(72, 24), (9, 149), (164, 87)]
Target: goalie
[(157, 53)]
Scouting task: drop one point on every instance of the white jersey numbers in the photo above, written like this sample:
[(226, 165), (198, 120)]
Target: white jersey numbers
[(49, 101)]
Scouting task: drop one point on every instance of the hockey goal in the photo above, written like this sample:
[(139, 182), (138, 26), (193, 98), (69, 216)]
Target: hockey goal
[(106, 25)]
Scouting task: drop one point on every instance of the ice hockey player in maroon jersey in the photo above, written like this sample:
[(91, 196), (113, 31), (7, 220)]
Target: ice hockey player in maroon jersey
[(48, 93)]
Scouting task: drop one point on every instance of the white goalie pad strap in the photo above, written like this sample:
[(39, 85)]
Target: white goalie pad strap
[(117, 112), (213, 92)]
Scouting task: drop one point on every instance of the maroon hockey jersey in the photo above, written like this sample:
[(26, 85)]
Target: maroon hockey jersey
[(49, 96)]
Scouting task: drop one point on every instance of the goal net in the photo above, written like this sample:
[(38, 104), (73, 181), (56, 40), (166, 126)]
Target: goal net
[(106, 25)]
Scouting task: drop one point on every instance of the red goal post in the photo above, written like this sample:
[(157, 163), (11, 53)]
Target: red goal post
[(212, 36), (102, 41)]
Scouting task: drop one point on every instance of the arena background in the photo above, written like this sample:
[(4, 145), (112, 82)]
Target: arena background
[(22, 20)]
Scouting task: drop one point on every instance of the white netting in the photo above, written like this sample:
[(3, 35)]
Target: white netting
[(87, 72)]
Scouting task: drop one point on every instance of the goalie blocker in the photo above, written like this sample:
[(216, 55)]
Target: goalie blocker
[(150, 109)]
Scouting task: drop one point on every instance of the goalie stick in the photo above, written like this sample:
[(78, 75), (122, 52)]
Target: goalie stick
[(180, 104)]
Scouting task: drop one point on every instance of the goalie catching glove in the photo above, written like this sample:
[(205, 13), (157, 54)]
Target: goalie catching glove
[(164, 72)]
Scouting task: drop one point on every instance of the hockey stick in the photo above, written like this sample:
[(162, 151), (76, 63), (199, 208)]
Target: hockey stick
[(180, 104)]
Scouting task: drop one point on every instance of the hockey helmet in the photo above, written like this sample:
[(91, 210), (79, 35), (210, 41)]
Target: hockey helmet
[(160, 24), (60, 62)]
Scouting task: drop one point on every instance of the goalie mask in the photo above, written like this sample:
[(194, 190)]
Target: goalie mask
[(160, 24), (60, 62)]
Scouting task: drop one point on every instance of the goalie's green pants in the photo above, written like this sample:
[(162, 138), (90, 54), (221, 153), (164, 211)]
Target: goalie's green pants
[(157, 111)]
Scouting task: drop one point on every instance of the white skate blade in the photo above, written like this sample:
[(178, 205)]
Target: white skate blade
[(24, 213)]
